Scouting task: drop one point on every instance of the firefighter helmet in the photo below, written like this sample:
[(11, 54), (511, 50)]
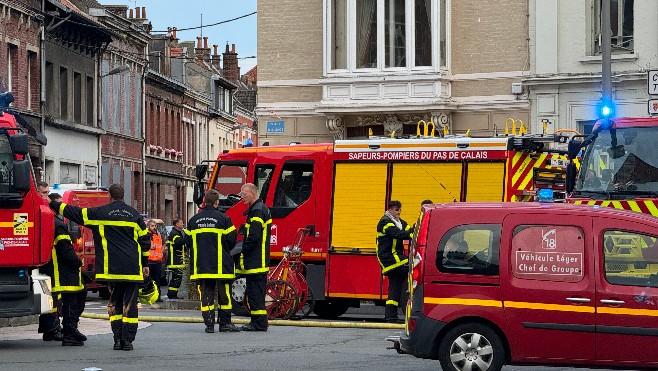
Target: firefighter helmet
[(148, 292)]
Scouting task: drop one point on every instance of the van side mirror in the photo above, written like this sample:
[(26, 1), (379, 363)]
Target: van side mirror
[(19, 143), (21, 176), (570, 181), (200, 171)]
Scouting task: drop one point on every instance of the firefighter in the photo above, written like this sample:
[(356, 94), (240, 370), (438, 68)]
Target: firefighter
[(211, 235), (254, 260), (49, 324), (391, 232), (68, 281), (176, 254), (155, 255), (122, 250)]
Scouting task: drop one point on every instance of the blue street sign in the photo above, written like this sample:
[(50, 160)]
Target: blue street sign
[(275, 126)]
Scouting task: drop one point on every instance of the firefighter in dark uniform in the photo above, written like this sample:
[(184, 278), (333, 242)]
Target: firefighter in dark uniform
[(67, 282), (210, 236), (391, 233), (49, 324), (254, 260), (122, 249), (176, 254)]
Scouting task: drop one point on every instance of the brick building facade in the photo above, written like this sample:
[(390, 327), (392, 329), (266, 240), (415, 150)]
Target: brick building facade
[(20, 58)]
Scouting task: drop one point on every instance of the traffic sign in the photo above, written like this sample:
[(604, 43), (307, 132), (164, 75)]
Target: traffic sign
[(652, 78)]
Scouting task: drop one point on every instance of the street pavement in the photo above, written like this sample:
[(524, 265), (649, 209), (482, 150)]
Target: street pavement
[(176, 346)]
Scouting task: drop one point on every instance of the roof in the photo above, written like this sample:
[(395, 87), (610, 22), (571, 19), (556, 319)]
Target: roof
[(529, 207)]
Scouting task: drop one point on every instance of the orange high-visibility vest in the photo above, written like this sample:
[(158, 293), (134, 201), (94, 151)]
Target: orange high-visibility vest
[(156, 249)]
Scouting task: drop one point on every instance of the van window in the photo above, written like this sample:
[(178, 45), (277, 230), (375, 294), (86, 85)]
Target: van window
[(631, 258), (470, 249), (548, 252)]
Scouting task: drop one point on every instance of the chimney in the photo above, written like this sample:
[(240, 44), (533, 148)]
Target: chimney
[(216, 58), (137, 14), (175, 37), (202, 53), (130, 14), (144, 12), (231, 69)]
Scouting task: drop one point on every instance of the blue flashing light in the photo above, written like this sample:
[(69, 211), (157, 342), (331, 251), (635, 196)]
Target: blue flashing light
[(545, 195), (606, 109)]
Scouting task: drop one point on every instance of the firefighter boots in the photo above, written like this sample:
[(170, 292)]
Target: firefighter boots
[(229, 327), (70, 340), (53, 336), (78, 335)]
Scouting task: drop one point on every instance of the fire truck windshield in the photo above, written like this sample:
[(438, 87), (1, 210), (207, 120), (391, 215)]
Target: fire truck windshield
[(620, 164), (6, 162)]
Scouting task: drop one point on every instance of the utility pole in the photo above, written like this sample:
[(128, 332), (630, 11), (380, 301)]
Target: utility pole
[(606, 51)]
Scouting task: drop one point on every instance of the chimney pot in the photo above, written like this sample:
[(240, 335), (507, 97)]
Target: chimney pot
[(205, 42), (175, 37), (198, 42), (137, 13), (130, 14), (215, 48), (232, 48), (144, 12), (227, 50)]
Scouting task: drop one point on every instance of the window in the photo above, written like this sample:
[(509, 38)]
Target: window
[(6, 164), (621, 22), (70, 173), (548, 253), (293, 188), (631, 258), (77, 97), (383, 34), (63, 93), (12, 74), (32, 80), (470, 249), (90, 101), (263, 179)]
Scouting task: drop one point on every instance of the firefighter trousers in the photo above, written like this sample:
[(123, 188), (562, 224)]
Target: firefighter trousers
[(73, 304), (256, 299), (207, 289), (49, 322), (122, 309), (175, 282), (397, 279)]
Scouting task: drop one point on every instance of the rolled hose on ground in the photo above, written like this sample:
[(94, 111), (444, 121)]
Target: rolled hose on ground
[(276, 322)]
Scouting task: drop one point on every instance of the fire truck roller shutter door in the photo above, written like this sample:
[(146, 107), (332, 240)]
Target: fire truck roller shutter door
[(485, 181), (415, 182), (359, 201)]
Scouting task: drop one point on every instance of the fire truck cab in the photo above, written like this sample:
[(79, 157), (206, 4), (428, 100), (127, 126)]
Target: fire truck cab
[(339, 192), (26, 223)]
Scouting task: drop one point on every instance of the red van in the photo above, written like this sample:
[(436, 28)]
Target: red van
[(530, 283)]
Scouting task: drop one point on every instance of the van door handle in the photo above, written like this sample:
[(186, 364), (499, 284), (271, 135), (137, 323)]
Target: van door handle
[(613, 302), (578, 300)]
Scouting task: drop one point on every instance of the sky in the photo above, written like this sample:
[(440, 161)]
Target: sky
[(188, 13)]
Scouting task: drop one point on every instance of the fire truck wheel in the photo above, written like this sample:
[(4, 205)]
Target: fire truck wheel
[(330, 309), (104, 293), (471, 346)]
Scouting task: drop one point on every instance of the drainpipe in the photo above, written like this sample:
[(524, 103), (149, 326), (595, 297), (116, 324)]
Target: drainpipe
[(42, 86)]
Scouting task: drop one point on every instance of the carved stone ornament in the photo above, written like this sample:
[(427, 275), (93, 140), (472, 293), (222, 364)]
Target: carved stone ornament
[(336, 127), (441, 120), (391, 122)]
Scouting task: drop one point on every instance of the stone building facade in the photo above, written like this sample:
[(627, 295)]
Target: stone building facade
[(345, 68)]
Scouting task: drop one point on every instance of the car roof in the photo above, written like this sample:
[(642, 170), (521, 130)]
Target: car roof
[(557, 208)]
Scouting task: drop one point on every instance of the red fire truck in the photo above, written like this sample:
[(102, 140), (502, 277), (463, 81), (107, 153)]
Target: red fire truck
[(26, 223), (339, 191), (619, 166)]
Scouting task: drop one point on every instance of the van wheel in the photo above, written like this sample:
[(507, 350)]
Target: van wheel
[(471, 346)]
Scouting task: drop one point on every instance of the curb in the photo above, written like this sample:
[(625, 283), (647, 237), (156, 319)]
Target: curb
[(19, 321), (276, 322)]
